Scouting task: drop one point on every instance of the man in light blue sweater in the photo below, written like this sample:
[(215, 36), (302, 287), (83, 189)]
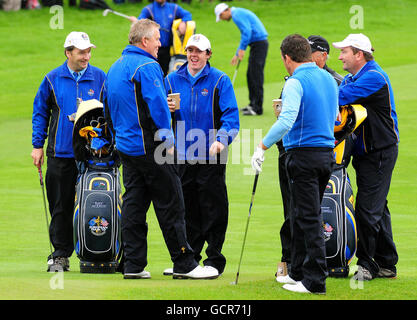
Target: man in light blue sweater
[(306, 124), (253, 34)]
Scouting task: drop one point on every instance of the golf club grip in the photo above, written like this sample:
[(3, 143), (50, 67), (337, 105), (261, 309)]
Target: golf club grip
[(40, 176), (255, 182)]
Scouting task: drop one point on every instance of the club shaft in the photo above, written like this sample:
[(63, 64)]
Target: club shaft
[(44, 206), (235, 74), (120, 14), (247, 224)]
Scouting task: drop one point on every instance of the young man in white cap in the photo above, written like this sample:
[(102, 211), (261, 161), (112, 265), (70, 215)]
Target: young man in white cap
[(253, 34), (374, 157), (54, 108), (209, 115)]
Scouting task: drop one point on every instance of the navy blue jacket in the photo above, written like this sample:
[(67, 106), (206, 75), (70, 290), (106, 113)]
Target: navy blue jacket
[(165, 15), (135, 99), (371, 88), (55, 101), (208, 111)]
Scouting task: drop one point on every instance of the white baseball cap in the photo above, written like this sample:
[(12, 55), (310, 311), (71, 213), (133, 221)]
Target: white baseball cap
[(356, 40), (219, 9), (80, 40), (200, 41)]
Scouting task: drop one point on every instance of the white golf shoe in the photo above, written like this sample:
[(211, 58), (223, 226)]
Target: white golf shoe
[(168, 272), (286, 279), (138, 275), (299, 287), (198, 273)]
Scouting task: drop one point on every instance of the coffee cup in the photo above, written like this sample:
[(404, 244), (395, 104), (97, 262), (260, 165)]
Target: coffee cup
[(277, 106), (176, 98)]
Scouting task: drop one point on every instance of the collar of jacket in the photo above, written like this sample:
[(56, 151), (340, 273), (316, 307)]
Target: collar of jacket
[(182, 71), (136, 50), (369, 65), (64, 72)]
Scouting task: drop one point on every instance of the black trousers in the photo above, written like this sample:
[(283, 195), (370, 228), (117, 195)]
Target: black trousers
[(255, 74), (146, 181), (309, 170), (164, 57), (206, 210), (376, 247), (285, 232), (60, 180)]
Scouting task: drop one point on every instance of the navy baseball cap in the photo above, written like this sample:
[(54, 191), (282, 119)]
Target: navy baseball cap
[(318, 43)]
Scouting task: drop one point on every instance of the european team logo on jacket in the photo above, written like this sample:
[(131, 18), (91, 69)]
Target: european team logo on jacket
[(98, 226), (204, 92), (90, 92)]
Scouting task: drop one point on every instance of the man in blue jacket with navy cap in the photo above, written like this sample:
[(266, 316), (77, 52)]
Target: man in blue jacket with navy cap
[(54, 110)]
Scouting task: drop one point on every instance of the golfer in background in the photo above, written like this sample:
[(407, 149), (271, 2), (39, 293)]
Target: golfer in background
[(54, 111), (209, 115), (253, 34), (135, 100), (164, 13), (306, 124), (374, 157)]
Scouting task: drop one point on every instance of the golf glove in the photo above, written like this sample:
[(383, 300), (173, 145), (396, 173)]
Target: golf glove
[(257, 159)]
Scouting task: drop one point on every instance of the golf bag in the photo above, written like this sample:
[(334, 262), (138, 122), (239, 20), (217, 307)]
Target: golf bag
[(177, 51), (98, 202), (337, 207)]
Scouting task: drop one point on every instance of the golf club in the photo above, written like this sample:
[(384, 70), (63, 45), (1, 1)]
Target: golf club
[(255, 182), (234, 76), (106, 12), (54, 267)]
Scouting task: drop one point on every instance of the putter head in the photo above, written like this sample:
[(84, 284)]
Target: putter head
[(105, 12)]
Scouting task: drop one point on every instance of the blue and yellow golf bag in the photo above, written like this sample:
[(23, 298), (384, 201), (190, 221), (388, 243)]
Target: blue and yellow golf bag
[(177, 51), (337, 207), (98, 199)]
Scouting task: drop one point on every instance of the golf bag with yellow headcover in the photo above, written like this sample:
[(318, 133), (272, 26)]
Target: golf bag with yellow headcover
[(177, 51), (337, 207), (97, 212)]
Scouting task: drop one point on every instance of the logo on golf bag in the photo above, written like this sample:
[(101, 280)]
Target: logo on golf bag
[(98, 226), (328, 231)]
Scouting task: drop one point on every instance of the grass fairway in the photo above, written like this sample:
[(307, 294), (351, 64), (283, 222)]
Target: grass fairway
[(30, 49)]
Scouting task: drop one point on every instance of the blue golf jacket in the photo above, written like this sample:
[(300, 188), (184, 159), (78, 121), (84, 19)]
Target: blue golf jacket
[(371, 88), (135, 99), (165, 15), (208, 111), (56, 101), (251, 28)]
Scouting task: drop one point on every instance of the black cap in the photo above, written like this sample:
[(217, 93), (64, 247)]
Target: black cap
[(318, 43)]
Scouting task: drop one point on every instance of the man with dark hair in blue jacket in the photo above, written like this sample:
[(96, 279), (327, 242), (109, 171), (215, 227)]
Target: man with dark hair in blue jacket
[(135, 101), (164, 13), (374, 156), (206, 123), (306, 124), (253, 34), (54, 109)]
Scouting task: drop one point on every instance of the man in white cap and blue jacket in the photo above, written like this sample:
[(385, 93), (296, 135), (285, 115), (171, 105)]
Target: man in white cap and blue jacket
[(206, 124), (54, 109), (374, 155)]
